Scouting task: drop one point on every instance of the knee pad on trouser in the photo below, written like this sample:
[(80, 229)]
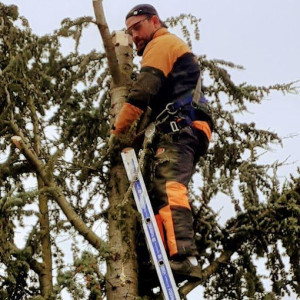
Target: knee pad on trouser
[(160, 226), (178, 225)]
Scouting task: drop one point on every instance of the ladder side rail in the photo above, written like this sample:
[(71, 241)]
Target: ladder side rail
[(150, 227)]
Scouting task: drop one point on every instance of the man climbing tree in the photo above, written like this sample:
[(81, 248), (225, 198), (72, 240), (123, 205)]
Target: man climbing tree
[(168, 76), (76, 190)]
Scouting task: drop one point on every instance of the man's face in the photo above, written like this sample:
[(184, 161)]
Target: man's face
[(141, 28)]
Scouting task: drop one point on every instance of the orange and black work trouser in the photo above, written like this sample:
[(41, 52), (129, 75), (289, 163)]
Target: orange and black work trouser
[(175, 158)]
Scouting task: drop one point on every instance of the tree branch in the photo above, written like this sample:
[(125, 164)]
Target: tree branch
[(207, 272), (36, 266), (46, 275), (56, 192), (7, 169), (107, 42)]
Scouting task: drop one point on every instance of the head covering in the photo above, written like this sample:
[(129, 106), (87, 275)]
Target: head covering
[(144, 9)]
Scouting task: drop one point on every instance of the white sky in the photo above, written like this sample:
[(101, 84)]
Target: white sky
[(261, 35)]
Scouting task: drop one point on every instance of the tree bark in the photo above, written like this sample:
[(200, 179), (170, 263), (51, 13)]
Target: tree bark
[(45, 276), (122, 267), (107, 43), (122, 263)]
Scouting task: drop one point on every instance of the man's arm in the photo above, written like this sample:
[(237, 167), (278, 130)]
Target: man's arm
[(144, 89)]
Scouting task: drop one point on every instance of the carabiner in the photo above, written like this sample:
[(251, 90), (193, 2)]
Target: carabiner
[(171, 112)]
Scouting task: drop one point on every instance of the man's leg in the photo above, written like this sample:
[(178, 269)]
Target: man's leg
[(173, 167)]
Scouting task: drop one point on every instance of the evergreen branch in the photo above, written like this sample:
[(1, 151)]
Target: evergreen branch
[(26, 255), (207, 272), (8, 169), (56, 192), (245, 228)]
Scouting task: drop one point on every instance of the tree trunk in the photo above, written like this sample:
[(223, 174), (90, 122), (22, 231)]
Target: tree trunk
[(45, 276), (122, 265)]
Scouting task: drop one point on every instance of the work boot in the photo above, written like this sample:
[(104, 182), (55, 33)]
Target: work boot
[(186, 268)]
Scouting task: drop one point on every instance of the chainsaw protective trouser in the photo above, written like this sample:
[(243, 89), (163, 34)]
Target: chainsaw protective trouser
[(175, 158)]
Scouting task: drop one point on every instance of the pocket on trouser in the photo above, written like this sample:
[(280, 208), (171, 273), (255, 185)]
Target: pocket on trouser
[(162, 172)]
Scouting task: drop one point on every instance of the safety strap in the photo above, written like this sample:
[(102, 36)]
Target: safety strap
[(173, 118), (173, 107), (197, 92), (175, 125), (177, 104)]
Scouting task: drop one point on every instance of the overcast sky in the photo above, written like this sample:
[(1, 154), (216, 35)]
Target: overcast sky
[(261, 35)]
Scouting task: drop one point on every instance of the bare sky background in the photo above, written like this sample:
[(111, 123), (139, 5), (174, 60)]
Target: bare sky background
[(261, 35)]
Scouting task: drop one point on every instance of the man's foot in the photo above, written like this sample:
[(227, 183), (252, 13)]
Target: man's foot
[(186, 268)]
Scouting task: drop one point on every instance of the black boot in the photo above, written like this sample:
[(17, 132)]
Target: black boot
[(186, 268)]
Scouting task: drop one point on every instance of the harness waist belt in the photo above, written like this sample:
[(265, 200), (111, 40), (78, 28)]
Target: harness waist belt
[(174, 125), (181, 113)]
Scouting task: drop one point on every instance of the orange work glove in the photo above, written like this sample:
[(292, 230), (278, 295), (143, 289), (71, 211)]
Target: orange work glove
[(128, 114)]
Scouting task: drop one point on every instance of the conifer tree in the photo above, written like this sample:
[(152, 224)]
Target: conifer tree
[(58, 109)]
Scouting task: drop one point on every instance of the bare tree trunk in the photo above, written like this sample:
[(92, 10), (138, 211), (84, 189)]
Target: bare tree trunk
[(107, 42), (122, 282), (122, 265)]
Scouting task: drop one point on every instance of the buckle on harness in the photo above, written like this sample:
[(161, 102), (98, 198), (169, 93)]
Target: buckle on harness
[(174, 126), (170, 109), (166, 113)]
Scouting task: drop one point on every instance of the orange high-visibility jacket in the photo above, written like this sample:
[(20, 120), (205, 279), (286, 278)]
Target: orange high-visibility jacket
[(169, 70)]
